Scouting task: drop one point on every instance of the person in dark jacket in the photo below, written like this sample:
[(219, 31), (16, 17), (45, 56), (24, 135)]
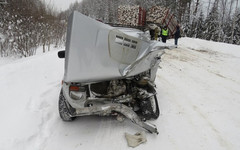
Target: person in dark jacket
[(177, 35), (164, 34)]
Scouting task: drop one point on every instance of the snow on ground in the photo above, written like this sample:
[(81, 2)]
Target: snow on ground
[(4, 60), (198, 91), (52, 47)]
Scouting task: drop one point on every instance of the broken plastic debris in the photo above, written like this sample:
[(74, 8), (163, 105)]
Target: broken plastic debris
[(136, 139)]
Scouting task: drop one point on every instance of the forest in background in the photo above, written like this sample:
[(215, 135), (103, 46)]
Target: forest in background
[(217, 20), (28, 24)]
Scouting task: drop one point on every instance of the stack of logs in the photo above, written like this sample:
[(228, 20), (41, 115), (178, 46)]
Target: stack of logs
[(128, 15), (156, 14), (163, 17), (136, 16)]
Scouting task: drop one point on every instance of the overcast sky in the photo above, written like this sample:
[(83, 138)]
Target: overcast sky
[(61, 4)]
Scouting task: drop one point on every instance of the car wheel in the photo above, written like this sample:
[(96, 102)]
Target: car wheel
[(63, 109), (150, 108)]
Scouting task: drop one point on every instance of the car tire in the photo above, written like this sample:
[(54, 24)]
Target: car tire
[(156, 111), (150, 108), (63, 109)]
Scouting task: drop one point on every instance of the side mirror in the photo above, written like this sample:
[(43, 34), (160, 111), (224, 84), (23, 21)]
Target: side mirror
[(61, 54)]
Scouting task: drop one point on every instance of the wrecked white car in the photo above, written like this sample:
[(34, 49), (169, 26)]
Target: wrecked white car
[(109, 71)]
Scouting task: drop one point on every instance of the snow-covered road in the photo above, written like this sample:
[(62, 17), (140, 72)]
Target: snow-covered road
[(198, 91)]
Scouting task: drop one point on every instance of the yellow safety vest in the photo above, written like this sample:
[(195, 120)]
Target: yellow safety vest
[(165, 32)]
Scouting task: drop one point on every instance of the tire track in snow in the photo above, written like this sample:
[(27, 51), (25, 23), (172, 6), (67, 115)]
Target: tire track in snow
[(174, 67), (110, 129), (185, 109), (222, 141), (43, 107)]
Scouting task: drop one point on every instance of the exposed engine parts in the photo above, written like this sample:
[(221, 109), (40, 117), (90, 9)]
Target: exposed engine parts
[(109, 89), (116, 88), (133, 98)]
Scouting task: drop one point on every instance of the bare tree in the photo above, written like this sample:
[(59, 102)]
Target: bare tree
[(234, 21), (223, 8), (196, 8), (230, 8)]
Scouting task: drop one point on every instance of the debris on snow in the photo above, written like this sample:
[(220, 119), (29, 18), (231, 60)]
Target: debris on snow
[(136, 139)]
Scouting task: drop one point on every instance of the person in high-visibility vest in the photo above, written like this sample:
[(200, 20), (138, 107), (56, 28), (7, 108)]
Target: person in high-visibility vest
[(164, 34)]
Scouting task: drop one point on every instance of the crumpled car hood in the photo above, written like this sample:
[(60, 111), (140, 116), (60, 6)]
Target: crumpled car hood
[(96, 51)]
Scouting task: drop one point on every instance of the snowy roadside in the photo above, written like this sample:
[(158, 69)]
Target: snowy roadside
[(39, 51), (198, 91), (4, 61), (199, 96)]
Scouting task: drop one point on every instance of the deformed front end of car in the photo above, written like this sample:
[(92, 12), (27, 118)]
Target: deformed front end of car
[(109, 71)]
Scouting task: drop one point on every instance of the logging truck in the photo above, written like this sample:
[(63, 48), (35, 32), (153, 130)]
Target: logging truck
[(138, 17)]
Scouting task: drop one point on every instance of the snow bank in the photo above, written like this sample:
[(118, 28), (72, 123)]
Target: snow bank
[(52, 48), (26, 102), (6, 60), (199, 44)]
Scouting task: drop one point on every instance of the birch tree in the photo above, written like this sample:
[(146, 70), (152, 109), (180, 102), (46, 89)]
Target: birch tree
[(235, 18)]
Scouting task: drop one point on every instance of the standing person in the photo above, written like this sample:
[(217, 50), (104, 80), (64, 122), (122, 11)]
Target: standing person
[(156, 33), (164, 34), (177, 35), (152, 33)]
